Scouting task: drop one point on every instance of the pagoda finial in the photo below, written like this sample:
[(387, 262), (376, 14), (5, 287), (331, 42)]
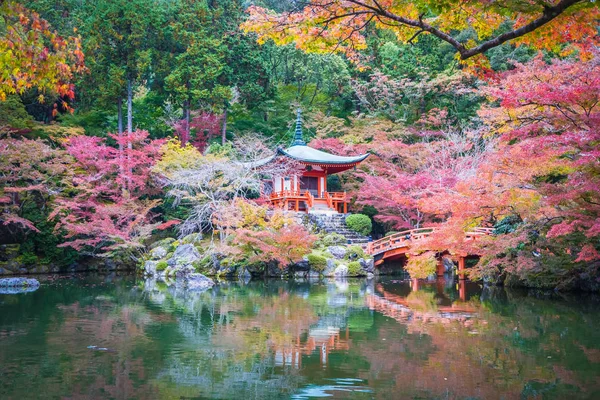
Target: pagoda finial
[(298, 141)]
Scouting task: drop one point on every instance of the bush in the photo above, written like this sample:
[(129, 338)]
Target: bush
[(317, 262), (354, 269), (421, 266), (355, 252), (359, 223), (161, 265), (332, 239)]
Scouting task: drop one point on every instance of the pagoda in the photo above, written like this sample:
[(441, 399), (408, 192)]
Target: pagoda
[(307, 192)]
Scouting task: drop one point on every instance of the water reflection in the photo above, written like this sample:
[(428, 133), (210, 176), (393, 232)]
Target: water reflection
[(389, 338)]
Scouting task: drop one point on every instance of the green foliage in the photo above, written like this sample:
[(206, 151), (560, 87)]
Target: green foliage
[(421, 266), (161, 265), (359, 223), (317, 262), (354, 253), (354, 269), (13, 116), (331, 239), (507, 224)]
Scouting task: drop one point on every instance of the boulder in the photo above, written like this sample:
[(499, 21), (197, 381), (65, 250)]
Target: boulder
[(192, 238), (341, 271), (330, 268), (185, 254), (368, 265), (244, 275), (150, 268), (14, 282), (301, 266), (196, 281), (158, 252), (183, 272), (18, 285), (338, 252)]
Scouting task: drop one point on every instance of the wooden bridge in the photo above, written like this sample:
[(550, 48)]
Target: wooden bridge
[(397, 245)]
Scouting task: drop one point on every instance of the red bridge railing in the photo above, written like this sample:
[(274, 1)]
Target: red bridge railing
[(409, 237)]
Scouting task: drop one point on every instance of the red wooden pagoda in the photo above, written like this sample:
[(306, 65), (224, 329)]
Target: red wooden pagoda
[(308, 192)]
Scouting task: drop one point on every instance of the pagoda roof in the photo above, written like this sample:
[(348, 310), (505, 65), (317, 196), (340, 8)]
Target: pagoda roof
[(299, 151), (308, 155)]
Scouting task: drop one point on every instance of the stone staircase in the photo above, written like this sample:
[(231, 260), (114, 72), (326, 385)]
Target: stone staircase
[(336, 223)]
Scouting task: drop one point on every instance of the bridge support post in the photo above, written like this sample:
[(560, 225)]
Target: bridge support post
[(415, 285), (440, 266), (461, 268), (462, 290)]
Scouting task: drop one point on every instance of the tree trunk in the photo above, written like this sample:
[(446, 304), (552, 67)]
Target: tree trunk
[(224, 130), (120, 116), (129, 108), (186, 115), (129, 131)]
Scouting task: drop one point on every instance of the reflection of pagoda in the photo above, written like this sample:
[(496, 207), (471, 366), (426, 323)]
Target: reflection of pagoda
[(323, 340)]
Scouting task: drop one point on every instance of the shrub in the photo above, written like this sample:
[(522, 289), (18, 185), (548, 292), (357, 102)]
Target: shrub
[(317, 262), (421, 266), (161, 265), (355, 252), (354, 268), (332, 239), (359, 223)]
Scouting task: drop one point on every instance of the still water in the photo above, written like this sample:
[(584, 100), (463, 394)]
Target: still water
[(118, 337)]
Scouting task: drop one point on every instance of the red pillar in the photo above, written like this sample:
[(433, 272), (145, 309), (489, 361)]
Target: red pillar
[(345, 208), (461, 268)]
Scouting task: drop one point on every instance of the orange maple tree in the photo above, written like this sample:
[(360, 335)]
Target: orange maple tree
[(32, 55), (338, 25)]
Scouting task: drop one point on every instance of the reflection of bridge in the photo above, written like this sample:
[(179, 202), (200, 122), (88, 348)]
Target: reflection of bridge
[(403, 308), (397, 245)]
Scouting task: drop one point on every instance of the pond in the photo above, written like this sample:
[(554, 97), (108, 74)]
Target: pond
[(123, 338)]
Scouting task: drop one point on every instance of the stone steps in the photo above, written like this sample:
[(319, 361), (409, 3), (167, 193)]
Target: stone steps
[(336, 223)]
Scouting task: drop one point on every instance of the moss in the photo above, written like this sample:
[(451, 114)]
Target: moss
[(161, 265), (331, 239), (354, 268), (355, 252), (317, 262)]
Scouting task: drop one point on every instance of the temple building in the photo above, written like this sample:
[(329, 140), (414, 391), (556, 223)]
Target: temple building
[(308, 192)]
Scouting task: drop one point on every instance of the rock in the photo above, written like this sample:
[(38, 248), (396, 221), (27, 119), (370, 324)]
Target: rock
[(313, 275), (166, 243), (370, 275), (12, 282), (18, 285), (244, 275), (192, 238), (158, 252), (338, 252), (198, 281), (150, 268), (183, 272), (185, 254), (367, 265), (330, 268), (341, 271), (301, 266)]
